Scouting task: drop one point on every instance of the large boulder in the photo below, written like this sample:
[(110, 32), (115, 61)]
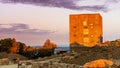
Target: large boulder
[(101, 63), (4, 61)]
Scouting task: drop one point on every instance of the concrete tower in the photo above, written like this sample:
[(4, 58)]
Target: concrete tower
[(86, 29)]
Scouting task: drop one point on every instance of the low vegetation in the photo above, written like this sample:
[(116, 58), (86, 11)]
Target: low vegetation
[(87, 54)]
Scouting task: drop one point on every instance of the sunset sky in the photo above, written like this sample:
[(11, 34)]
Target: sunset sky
[(34, 21)]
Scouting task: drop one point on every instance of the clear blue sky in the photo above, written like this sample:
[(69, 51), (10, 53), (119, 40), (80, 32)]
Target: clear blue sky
[(34, 21)]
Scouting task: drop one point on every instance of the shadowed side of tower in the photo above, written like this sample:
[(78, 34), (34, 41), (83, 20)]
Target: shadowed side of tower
[(85, 30)]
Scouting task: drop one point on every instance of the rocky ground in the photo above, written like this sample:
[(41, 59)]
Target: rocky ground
[(11, 56), (72, 59), (65, 60)]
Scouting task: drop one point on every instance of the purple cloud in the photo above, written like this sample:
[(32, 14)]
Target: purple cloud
[(94, 5), (21, 28)]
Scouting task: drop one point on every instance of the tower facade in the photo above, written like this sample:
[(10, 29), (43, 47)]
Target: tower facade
[(86, 29)]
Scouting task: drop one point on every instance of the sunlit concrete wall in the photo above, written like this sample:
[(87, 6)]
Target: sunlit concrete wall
[(86, 29)]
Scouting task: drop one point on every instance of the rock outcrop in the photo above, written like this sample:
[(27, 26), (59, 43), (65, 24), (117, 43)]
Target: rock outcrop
[(111, 43), (49, 45)]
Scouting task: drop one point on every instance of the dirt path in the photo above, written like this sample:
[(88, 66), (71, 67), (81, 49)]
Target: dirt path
[(9, 66)]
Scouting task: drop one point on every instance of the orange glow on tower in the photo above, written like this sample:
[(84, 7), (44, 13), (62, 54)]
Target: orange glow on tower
[(86, 29)]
